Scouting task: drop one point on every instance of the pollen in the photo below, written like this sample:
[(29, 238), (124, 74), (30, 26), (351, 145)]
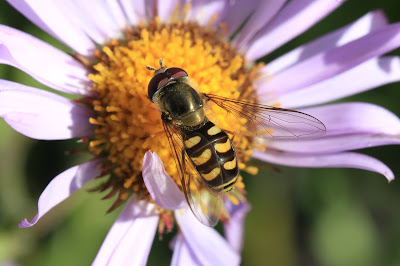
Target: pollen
[(127, 122)]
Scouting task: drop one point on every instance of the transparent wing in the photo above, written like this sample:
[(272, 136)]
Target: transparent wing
[(205, 203), (269, 122)]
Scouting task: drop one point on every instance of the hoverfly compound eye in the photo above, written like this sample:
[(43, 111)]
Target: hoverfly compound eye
[(162, 78), (176, 72), (156, 83)]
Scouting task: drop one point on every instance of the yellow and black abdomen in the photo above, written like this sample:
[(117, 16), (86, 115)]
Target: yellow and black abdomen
[(212, 154)]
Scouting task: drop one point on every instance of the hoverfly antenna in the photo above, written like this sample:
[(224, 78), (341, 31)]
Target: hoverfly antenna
[(162, 68)]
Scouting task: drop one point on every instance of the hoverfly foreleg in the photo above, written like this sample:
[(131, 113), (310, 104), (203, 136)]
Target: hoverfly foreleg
[(183, 162), (233, 133)]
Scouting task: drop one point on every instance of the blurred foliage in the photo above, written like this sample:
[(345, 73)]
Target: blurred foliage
[(299, 216)]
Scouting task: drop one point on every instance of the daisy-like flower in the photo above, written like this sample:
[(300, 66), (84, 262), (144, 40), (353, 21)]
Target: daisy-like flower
[(113, 41)]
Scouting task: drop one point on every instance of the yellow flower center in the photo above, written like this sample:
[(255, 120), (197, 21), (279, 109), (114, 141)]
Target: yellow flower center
[(128, 124)]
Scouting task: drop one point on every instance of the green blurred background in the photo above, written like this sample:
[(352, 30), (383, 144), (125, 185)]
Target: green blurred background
[(299, 217)]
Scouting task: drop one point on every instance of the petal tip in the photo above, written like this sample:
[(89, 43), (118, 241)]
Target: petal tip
[(25, 223), (389, 177)]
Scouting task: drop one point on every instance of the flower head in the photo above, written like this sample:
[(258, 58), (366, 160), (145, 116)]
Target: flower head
[(118, 123)]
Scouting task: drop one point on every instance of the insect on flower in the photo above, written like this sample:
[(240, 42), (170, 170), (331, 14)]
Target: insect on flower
[(204, 154)]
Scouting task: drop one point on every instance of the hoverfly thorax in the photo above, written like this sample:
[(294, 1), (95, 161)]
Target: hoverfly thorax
[(170, 90)]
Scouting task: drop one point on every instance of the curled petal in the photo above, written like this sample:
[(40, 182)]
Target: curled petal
[(363, 26), (130, 238), (334, 61), (42, 61), (380, 71), (356, 117), (234, 228), (42, 115), (209, 247), (335, 160), (62, 186), (295, 18), (51, 17), (160, 185)]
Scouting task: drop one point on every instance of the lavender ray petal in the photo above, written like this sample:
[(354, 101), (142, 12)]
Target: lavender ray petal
[(166, 8), (163, 190), (235, 13), (42, 115), (130, 238), (294, 18), (334, 61), (368, 23), (50, 17), (136, 11), (43, 62), (209, 247), (202, 11), (356, 117), (262, 14), (62, 186), (234, 228), (182, 254), (334, 144), (111, 24), (334, 160), (366, 76)]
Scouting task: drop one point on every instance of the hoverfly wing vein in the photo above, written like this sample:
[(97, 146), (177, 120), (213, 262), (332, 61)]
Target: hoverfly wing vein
[(270, 122)]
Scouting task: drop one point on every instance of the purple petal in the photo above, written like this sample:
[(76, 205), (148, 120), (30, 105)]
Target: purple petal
[(130, 238), (339, 160), (42, 61), (163, 190), (165, 9), (117, 13), (90, 24), (334, 144), (62, 186), (42, 115), (209, 247), (363, 26), (51, 17), (261, 15), (355, 117), (368, 75), (234, 228), (202, 11), (334, 61), (137, 10), (182, 255), (108, 27), (236, 12), (295, 18)]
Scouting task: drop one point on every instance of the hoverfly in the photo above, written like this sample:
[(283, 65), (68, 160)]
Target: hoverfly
[(204, 154)]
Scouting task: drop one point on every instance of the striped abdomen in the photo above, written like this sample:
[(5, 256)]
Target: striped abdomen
[(212, 154)]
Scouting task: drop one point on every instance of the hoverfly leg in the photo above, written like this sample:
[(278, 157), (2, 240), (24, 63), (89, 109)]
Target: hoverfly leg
[(233, 133), (183, 160)]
